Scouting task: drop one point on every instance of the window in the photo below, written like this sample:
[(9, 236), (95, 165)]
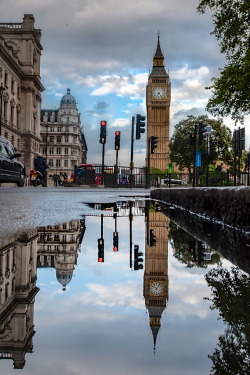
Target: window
[(66, 138), (59, 139), (58, 151), (66, 151), (59, 129), (12, 86), (6, 79), (51, 150), (51, 139), (58, 163), (12, 114), (66, 163), (51, 162)]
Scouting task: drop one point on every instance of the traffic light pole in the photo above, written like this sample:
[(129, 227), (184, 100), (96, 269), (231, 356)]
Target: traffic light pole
[(103, 153), (148, 167), (132, 153), (195, 149), (116, 167), (130, 233)]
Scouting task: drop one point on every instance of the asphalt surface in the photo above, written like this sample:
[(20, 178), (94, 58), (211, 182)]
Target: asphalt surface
[(26, 208)]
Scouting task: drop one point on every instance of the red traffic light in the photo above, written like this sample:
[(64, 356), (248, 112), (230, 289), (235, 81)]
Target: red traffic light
[(117, 133), (103, 123)]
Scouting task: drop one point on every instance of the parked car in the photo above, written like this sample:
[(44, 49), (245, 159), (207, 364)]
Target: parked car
[(166, 181), (11, 170)]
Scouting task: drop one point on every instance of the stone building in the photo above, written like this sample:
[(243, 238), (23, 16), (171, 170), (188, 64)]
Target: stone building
[(58, 248), (63, 142), (158, 97), (20, 86), (17, 297)]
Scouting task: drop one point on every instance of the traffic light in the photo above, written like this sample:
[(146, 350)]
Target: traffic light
[(153, 144), (115, 241), (103, 132), (100, 250), (117, 140), (152, 238), (140, 126), (137, 258), (202, 132), (192, 138)]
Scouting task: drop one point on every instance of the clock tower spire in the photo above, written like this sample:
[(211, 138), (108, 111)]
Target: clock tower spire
[(158, 97)]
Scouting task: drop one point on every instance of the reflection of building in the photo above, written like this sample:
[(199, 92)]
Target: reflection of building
[(158, 105), (58, 247), (64, 143), (20, 53), (156, 269), (17, 296)]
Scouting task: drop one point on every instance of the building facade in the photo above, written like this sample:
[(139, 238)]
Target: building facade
[(20, 86), (63, 142), (17, 297), (58, 248), (158, 97)]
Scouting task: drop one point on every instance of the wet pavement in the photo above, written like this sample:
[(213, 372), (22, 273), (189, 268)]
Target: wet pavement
[(76, 301)]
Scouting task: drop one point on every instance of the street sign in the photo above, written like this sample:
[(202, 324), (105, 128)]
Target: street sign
[(198, 159)]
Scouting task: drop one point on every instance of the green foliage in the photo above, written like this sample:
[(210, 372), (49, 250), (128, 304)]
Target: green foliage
[(231, 296), (182, 152), (231, 91), (187, 249)]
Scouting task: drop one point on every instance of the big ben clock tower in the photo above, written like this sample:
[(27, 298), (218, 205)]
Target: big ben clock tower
[(156, 269), (158, 98)]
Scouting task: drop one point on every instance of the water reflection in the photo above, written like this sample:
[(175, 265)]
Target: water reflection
[(136, 263), (58, 248)]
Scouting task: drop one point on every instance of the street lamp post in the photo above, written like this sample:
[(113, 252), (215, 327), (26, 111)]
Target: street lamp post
[(1, 106)]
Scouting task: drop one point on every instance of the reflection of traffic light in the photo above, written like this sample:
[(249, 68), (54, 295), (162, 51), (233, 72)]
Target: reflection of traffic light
[(152, 238), (192, 138), (137, 258), (202, 132), (140, 126), (117, 140), (103, 132), (153, 143), (100, 250), (115, 241)]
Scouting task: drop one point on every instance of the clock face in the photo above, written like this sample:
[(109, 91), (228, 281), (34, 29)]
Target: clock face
[(156, 288), (158, 93)]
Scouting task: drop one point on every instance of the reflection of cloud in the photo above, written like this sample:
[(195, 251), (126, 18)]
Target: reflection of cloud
[(187, 291)]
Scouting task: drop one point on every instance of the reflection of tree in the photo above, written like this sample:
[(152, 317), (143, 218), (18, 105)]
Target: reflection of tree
[(231, 296), (187, 249)]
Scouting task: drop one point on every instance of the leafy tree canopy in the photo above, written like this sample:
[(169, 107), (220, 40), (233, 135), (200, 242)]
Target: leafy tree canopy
[(231, 297), (182, 152), (231, 91)]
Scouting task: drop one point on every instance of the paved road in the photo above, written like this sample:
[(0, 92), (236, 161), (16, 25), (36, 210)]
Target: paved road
[(28, 207)]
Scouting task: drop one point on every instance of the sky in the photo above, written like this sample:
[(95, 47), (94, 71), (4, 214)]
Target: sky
[(103, 51)]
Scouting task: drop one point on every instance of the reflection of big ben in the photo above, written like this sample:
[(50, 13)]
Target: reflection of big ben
[(158, 104), (156, 270)]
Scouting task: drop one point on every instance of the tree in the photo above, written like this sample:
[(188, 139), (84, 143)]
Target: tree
[(231, 297), (231, 91), (182, 152), (187, 249)]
